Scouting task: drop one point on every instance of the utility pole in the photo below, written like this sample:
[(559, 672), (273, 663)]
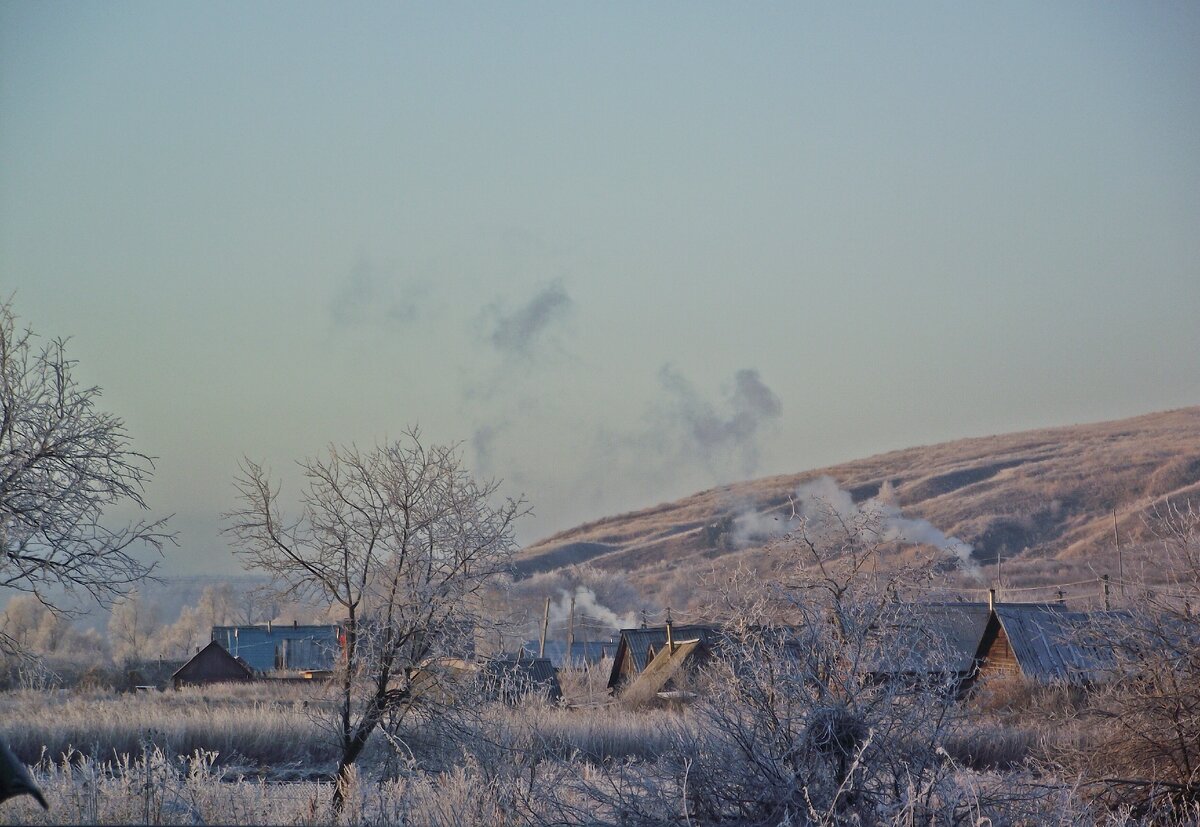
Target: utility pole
[(1120, 554), (571, 633), (1107, 603), (545, 625), (999, 570)]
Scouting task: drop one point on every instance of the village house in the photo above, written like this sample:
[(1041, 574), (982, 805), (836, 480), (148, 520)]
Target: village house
[(1043, 643), (212, 664), (512, 678), (280, 647), (966, 643), (636, 648), (955, 644), (932, 642)]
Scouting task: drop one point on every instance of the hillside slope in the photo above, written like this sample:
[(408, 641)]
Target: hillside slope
[(1042, 500)]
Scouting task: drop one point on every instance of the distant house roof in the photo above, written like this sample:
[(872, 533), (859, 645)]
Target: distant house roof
[(667, 664), (635, 648), (583, 653), (951, 639), (1046, 641), (1050, 643), (512, 677), (278, 646), (212, 664)]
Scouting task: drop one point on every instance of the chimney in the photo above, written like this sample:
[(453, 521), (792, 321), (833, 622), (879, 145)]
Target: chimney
[(991, 599), (670, 633), (295, 623), (268, 627)]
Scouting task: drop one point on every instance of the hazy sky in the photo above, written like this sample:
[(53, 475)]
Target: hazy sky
[(621, 251)]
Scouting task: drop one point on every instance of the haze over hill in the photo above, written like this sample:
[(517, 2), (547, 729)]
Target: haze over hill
[(1042, 501)]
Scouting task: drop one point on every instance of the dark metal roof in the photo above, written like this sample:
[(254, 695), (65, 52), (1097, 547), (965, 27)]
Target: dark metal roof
[(639, 642), (926, 638), (514, 676), (930, 638), (1051, 644)]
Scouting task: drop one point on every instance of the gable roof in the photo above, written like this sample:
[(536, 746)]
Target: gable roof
[(935, 637), (666, 664), (638, 643), (1050, 643), (213, 664)]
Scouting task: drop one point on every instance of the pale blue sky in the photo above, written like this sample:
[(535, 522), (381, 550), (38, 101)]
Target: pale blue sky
[(623, 251)]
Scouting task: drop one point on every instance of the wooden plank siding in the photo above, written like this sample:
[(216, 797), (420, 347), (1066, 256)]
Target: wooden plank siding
[(996, 658)]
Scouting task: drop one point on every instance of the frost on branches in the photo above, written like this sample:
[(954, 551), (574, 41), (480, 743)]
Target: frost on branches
[(63, 464)]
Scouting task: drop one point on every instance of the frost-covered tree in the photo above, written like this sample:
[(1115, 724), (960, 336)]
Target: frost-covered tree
[(1145, 747), (401, 541), (63, 464), (37, 630), (131, 625)]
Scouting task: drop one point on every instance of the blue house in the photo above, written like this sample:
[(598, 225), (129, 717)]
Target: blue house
[(294, 648)]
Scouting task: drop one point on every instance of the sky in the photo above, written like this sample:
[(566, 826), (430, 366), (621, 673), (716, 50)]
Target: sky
[(621, 252)]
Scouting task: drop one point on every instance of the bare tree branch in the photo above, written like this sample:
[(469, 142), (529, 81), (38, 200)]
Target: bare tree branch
[(63, 464), (402, 540)]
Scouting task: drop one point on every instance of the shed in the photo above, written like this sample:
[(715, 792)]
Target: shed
[(266, 647), (212, 664), (637, 647)]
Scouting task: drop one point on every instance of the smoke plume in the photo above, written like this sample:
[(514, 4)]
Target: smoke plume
[(367, 296), (590, 613), (517, 332), (826, 509), (711, 435)]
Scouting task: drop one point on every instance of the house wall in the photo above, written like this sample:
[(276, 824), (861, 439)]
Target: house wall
[(627, 670), (283, 647), (998, 656)]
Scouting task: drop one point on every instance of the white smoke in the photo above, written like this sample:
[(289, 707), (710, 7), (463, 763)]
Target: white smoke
[(750, 527), (589, 612), (826, 509)]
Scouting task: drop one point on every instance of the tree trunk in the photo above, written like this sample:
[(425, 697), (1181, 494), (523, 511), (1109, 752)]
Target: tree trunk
[(353, 745), (350, 753)]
